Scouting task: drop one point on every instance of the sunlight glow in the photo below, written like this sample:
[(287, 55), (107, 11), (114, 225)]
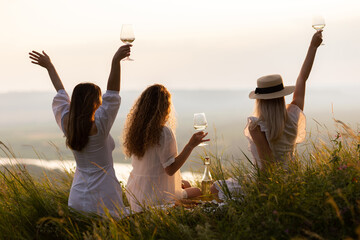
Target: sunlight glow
[(185, 44)]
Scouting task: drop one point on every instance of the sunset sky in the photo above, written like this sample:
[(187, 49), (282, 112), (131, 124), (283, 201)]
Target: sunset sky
[(182, 44)]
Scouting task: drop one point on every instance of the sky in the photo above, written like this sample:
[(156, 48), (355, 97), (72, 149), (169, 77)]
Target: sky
[(185, 44)]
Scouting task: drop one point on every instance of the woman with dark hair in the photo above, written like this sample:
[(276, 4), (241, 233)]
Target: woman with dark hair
[(150, 142), (86, 121)]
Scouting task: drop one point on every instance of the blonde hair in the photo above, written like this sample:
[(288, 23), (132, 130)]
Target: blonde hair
[(150, 113), (273, 113)]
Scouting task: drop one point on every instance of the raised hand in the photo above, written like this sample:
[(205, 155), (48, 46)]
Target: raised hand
[(122, 52), (316, 39), (44, 61), (40, 59), (115, 72), (299, 93)]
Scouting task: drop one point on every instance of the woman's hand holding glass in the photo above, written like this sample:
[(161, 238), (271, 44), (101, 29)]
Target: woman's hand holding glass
[(127, 36), (316, 40), (122, 52), (318, 24), (198, 138), (200, 123)]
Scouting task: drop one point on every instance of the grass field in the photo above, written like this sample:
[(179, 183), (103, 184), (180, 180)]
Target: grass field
[(317, 197)]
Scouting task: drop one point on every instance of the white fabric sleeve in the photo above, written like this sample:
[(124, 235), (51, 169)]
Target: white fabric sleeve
[(105, 115), (168, 148), (298, 118), (60, 107)]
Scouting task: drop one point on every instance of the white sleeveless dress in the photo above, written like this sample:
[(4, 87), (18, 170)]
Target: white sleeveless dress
[(283, 149), (95, 185)]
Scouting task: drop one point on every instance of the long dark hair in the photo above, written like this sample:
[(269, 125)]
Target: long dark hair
[(146, 119), (85, 100)]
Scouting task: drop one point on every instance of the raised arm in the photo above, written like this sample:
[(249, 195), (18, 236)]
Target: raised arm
[(299, 93), (115, 72), (44, 61), (195, 140)]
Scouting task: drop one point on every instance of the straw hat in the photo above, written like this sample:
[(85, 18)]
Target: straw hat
[(269, 87)]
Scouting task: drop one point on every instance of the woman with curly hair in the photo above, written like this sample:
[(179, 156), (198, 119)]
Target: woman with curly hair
[(150, 143)]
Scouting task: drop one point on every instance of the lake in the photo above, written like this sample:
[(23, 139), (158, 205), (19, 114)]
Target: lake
[(28, 127), (122, 170)]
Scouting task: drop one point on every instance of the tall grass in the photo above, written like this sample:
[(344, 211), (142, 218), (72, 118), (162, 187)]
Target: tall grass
[(316, 197)]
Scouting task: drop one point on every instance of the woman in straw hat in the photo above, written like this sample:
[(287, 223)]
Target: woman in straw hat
[(276, 128)]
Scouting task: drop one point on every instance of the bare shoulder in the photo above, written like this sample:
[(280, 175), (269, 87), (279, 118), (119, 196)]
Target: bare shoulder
[(257, 135), (254, 129)]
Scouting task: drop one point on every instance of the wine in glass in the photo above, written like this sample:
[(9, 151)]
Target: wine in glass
[(200, 124), (318, 23), (127, 36)]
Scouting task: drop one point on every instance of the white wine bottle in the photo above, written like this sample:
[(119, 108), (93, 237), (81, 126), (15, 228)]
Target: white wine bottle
[(206, 180)]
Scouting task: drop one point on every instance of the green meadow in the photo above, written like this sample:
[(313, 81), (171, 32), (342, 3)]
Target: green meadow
[(316, 197)]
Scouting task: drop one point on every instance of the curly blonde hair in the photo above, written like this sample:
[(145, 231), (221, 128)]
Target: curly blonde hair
[(144, 123)]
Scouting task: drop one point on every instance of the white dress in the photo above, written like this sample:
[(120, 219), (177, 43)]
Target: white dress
[(95, 185), (148, 183), (283, 149)]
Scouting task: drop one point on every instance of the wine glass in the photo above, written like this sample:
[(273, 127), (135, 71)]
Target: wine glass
[(318, 23), (127, 36), (200, 124)]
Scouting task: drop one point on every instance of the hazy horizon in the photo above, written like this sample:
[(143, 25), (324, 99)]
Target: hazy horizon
[(28, 126), (188, 46)]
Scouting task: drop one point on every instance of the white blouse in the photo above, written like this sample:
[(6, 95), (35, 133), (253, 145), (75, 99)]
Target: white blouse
[(294, 132), (283, 148), (95, 185), (148, 183)]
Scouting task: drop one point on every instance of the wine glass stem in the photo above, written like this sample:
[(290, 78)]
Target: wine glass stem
[(128, 57)]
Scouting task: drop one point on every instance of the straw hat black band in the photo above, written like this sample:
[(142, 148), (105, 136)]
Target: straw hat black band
[(267, 90)]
